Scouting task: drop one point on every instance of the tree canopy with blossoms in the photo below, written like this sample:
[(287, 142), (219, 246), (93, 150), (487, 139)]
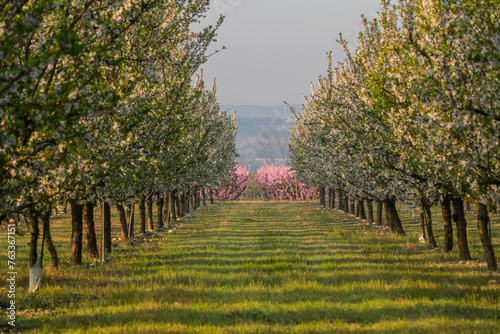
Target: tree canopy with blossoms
[(98, 104), (280, 182), (413, 113), (235, 186)]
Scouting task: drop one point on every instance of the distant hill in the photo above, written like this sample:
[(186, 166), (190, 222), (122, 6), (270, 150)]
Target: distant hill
[(243, 111), (263, 133), (252, 126)]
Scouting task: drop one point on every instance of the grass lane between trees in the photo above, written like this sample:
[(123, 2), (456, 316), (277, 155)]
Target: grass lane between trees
[(284, 267)]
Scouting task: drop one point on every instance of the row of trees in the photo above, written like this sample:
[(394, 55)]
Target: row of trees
[(412, 115), (269, 182), (280, 182), (98, 105)]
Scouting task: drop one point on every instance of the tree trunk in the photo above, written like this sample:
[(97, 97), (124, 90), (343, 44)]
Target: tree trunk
[(388, 220), (182, 199), (131, 220), (357, 208), (150, 212), (322, 200), (186, 201), (379, 213), (107, 228), (333, 199), (204, 197), (211, 196), (422, 225), (448, 226), (159, 209), (362, 212), (329, 197), (198, 199), (428, 217), (484, 234), (369, 205), (346, 203), (178, 205), (194, 199), (166, 209), (340, 193), (88, 219), (34, 231), (123, 222), (467, 206), (461, 223), (394, 217), (76, 233), (353, 209), (173, 216), (54, 259), (142, 213)]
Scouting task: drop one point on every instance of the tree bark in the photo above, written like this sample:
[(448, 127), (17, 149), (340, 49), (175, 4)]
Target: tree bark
[(194, 200), (166, 209), (448, 226), (182, 199), (388, 220), (428, 217), (159, 209), (461, 223), (34, 231), (204, 197), (54, 259), (88, 219), (150, 212), (352, 207), (422, 224), (178, 205), (123, 222), (467, 206), (362, 212), (379, 213), (369, 205), (341, 205), (211, 196), (142, 213), (483, 221), (131, 220), (395, 221), (173, 216), (186, 201), (322, 200), (346, 203), (107, 228), (357, 208), (333, 198), (76, 233)]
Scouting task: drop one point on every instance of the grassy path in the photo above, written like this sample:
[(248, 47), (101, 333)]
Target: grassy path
[(270, 267)]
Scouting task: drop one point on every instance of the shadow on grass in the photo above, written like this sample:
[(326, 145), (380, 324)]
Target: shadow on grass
[(283, 314)]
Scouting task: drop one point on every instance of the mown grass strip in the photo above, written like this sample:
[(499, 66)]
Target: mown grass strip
[(277, 267)]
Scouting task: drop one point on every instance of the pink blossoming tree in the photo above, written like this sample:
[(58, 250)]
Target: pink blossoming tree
[(279, 182), (235, 187)]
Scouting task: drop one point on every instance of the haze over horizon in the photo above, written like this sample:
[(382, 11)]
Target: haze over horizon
[(275, 49)]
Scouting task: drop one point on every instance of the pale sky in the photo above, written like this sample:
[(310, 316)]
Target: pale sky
[(276, 48)]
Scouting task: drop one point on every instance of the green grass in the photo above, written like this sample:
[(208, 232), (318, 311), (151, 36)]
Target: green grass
[(266, 267)]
